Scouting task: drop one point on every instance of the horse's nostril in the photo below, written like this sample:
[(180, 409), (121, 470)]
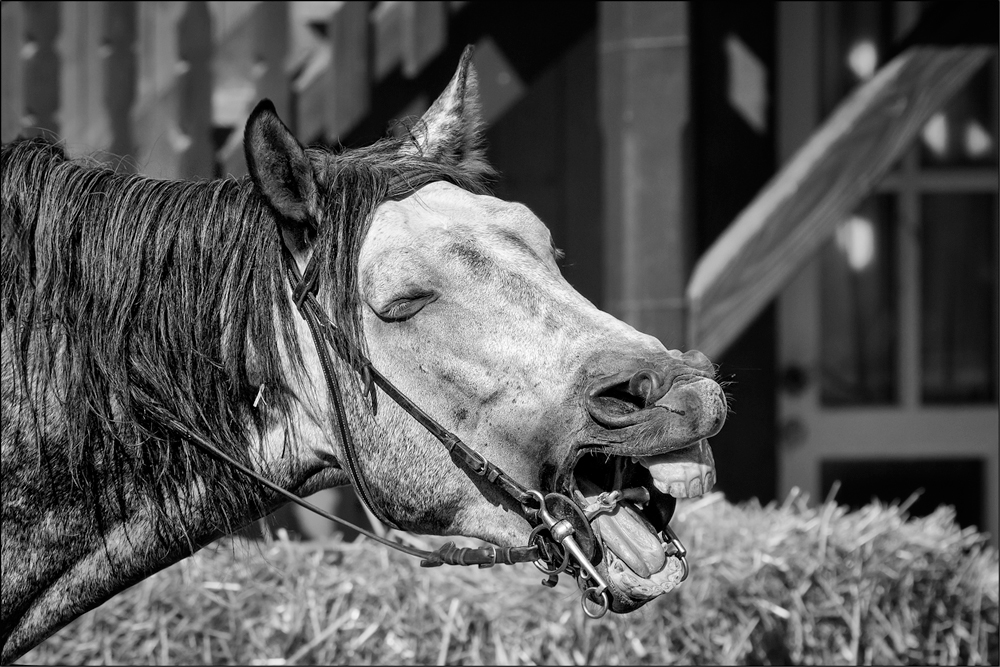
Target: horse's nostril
[(644, 385), (625, 398)]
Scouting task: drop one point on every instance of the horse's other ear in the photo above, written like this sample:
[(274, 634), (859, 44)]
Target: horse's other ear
[(281, 170), (451, 132)]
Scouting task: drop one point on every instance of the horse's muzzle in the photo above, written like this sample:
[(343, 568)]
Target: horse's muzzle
[(654, 408), (649, 420)]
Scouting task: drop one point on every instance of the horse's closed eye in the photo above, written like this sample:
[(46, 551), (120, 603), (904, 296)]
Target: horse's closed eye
[(403, 308)]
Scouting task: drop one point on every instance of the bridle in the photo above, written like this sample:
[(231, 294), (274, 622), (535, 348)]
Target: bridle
[(561, 540), (558, 522)]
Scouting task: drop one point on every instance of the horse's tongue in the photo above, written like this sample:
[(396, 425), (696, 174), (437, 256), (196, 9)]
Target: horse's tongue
[(628, 534), (632, 539)]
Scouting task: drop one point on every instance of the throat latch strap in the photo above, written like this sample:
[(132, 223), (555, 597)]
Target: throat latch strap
[(322, 331), (448, 554)]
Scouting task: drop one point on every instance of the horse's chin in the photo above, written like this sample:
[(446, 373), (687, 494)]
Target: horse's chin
[(633, 545)]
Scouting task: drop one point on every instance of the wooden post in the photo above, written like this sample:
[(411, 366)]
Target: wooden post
[(11, 70), (332, 91), (42, 23), (407, 32), (425, 34), (251, 56), (270, 54), (348, 91), (119, 76), (174, 108), (194, 114), (644, 113), (309, 93), (84, 124), (387, 33)]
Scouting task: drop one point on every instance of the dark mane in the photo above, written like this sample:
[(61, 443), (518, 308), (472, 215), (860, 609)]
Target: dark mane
[(144, 311)]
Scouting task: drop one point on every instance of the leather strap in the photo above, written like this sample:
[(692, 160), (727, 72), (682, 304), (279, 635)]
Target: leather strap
[(309, 310), (326, 334), (448, 554)]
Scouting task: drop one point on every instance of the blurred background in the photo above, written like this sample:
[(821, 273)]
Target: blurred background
[(638, 131)]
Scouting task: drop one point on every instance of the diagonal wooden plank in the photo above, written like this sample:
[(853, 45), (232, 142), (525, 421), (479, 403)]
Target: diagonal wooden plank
[(822, 183)]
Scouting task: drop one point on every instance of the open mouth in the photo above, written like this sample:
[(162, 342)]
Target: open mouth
[(635, 552)]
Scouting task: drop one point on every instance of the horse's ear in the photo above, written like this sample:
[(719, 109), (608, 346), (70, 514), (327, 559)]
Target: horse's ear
[(451, 131), (282, 171)]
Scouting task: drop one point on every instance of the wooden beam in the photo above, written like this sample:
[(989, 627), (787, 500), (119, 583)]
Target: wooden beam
[(271, 27), (825, 180), (310, 90)]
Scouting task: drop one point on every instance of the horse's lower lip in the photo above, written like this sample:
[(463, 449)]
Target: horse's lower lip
[(635, 566)]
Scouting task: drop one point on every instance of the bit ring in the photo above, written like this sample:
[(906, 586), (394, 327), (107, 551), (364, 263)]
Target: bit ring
[(541, 564), (604, 601)]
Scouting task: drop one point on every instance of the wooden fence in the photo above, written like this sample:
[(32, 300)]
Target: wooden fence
[(170, 84), (164, 88)]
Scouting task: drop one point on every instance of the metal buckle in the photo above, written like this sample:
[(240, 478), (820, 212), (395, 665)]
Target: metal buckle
[(545, 547), (483, 566), (485, 469), (483, 465)]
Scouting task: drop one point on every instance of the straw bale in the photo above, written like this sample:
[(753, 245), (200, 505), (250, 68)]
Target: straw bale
[(781, 584)]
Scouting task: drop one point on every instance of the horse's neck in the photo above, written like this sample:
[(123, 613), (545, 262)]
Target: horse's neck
[(64, 554), (58, 560), (65, 551)]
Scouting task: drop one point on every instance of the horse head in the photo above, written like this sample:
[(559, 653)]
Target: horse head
[(460, 303)]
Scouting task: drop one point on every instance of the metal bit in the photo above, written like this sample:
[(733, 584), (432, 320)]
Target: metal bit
[(562, 532)]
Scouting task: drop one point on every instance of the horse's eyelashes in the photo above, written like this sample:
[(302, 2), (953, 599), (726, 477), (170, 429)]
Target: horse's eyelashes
[(403, 308)]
